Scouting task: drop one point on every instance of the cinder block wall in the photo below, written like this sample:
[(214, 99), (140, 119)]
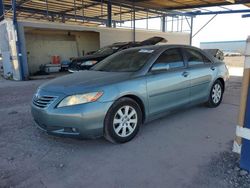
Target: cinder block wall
[(100, 36), (41, 45)]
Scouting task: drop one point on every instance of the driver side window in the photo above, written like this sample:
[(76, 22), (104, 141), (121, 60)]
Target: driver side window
[(171, 57)]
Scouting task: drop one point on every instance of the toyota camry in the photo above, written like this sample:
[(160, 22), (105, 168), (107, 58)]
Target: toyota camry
[(127, 89)]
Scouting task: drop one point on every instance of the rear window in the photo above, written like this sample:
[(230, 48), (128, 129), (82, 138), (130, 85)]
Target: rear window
[(106, 50), (194, 57)]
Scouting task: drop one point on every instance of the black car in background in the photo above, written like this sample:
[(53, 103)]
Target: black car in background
[(87, 61)]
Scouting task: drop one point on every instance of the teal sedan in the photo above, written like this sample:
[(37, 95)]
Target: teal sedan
[(127, 89)]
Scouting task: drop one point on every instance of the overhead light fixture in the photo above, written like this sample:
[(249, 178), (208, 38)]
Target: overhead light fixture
[(37, 1), (231, 1)]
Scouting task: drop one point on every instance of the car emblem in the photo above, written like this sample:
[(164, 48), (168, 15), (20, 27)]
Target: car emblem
[(36, 97)]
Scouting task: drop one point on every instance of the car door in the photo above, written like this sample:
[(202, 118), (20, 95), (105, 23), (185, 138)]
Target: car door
[(168, 89), (201, 71)]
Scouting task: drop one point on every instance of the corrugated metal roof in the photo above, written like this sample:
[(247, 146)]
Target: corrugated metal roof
[(94, 12)]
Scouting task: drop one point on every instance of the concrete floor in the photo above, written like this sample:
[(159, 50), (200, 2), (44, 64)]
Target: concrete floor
[(169, 152)]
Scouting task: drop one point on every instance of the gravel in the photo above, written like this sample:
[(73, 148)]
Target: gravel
[(187, 149), (223, 171)]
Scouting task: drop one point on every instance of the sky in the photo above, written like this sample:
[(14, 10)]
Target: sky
[(221, 28), (225, 27)]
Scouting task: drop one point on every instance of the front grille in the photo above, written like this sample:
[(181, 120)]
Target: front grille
[(43, 101)]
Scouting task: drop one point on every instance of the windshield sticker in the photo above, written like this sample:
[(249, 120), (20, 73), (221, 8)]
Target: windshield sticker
[(146, 51)]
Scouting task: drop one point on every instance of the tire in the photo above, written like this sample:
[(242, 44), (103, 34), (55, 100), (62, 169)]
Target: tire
[(216, 94), (123, 121)]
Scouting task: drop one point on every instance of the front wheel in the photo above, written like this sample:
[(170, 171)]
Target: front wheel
[(216, 94), (122, 121)]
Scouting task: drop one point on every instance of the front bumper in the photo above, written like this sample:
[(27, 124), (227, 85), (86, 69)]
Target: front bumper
[(85, 120)]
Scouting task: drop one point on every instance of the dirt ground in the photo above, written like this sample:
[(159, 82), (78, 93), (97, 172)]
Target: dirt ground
[(234, 61), (174, 151)]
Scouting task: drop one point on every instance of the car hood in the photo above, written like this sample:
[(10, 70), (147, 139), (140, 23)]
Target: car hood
[(83, 81)]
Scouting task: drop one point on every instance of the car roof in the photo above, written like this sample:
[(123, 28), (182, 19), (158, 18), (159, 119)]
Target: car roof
[(165, 46)]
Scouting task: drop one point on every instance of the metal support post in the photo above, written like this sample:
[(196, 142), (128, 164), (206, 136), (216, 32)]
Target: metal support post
[(163, 23), (109, 9)]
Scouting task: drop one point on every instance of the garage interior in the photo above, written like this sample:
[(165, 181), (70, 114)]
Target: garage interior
[(71, 28), (42, 42), (41, 45), (42, 27)]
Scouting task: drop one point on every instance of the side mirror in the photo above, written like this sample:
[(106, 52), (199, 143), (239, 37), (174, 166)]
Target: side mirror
[(160, 67)]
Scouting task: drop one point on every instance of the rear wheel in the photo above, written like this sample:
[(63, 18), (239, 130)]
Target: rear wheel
[(216, 94), (122, 121)]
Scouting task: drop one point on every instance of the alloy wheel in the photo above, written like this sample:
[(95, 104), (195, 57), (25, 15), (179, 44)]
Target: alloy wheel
[(125, 121), (216, 93)]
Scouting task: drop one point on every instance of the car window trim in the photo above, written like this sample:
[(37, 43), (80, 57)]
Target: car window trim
[(173, 69), (198, 51), (210, 62)]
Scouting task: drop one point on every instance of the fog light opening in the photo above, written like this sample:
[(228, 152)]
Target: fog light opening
[(70, 130)]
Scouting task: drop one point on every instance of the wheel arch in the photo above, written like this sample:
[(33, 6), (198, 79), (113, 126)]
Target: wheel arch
[(139, 101), (222, 82)]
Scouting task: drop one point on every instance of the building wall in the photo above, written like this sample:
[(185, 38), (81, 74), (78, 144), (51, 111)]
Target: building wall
[(111, 35), (225, 46), (100, 36), (41, 45), (41, 48), (87, 41)]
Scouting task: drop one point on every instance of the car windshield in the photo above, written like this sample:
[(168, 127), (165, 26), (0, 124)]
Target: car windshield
[(106, 50), (125, 61)]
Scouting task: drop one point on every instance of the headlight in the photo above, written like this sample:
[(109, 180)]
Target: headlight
[(80, 99), (88, 63)]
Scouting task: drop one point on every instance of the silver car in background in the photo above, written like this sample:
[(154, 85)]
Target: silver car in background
[(128, 89)]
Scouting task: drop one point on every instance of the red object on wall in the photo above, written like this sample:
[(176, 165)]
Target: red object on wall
[(55, 59)]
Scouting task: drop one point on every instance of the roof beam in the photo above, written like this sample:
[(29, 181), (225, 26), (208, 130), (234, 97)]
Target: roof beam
[(245, 16), (137, 8), (22, 2), (221, 12), (115, 14), (70, 16), (208, 5), (79, 8), (184, 4)]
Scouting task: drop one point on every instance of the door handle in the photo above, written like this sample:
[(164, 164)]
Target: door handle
[(212, 68), (185, 74)]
